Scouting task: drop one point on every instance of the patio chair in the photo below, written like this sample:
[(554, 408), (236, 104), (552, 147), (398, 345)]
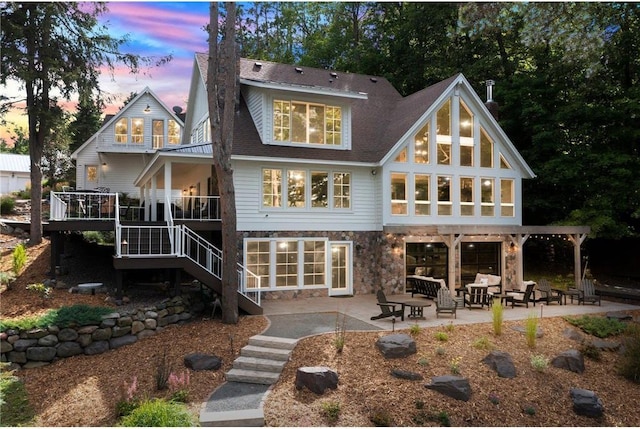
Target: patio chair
[(548, 295), (388, 308), (523, 298), (476, 295), (588, 293), (445, 303)]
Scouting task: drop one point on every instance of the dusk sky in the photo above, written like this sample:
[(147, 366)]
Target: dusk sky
[(155, 29)]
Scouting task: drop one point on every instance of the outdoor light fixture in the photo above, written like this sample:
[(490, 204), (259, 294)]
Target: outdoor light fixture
[(147, 109)]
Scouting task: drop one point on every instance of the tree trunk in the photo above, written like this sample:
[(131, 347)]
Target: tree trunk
[(221, 98)]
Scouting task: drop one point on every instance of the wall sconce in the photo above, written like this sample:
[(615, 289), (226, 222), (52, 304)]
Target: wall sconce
[(104, 164), (125, 247), (374, 172), (191, 188), (184, 191), (513, 248), (147, 109)]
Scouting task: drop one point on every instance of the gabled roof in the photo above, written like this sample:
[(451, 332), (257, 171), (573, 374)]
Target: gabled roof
[(110, 119)]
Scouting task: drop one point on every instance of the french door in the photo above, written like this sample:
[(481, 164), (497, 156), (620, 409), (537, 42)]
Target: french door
[(340, 261)]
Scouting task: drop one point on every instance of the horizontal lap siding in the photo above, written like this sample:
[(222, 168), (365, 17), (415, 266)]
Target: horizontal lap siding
[(363, 216)]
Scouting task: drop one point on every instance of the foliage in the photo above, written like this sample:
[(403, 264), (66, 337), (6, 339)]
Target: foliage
[(14, 402), (454, 365), (440, 351), (158, 413), (331, 410), (64, 317), (441, 336), (128, 401), (380, 418), (19, 257), (539, 362), (419, 403), (450, 327), (340, 332), (423, 361), (529, 409), (601, 327), (483, 343), (589, 350), (494, 398), (99, 237), (163, 372), (40, 289), (497, 314), (415, 330), (178, 384), (7, 204), (629, 366), (6, 278), (531, 330)]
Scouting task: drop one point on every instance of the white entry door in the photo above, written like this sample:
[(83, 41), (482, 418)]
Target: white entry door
[(340, 268)]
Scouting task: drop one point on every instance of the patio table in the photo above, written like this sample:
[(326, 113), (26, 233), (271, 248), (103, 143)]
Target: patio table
[(569, 292), (416, 308)]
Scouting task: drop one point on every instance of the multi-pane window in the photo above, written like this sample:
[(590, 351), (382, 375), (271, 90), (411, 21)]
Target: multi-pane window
[(486, 149), (286, 263), (444, 196), (173, 132), (443, 133), (341, 190), (137, 130), (92, 173), (271, 188), (122, 130), (422, 195), (487, 199), (399, 203), (301, 122), (157, 133), (259, 261), (314, 263), (466, 136), (421, 146), (319, 189), (466, 196), (507, 206), (296, 188)]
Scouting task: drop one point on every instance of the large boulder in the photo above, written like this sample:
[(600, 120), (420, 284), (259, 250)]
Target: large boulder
[(396, 346), (452, 386), (202, 362), (586, 403), (571, 360), (316, 378), (501, 363)]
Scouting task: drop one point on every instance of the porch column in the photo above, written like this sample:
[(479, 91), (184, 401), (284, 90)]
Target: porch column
[(167, 190), (147, 203), (518, 241), (577, 241), (154, 198), (452, 243)]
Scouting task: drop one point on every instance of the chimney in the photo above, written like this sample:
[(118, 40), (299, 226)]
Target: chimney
[(491, 105)]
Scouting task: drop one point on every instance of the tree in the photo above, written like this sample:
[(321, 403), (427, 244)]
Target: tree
[(87, 119), (56, 157), (50, 47), (222, 95)]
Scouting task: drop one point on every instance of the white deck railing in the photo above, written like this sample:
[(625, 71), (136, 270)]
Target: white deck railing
[(83, 205)]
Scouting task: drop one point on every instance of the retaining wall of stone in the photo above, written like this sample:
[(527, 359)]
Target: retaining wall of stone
[(38, 347)]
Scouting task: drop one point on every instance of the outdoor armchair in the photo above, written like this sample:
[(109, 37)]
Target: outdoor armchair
[(387, 308)]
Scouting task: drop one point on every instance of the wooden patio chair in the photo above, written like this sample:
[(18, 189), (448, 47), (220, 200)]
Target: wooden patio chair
[(588, 293), (445, 303), (388, 308), (548, 295), (523, 298), (476, 296)]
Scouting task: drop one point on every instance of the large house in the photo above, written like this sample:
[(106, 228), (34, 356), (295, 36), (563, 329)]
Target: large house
[(342, 186)]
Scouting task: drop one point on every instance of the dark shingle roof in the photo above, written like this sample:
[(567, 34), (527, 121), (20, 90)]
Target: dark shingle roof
[(377, 121)]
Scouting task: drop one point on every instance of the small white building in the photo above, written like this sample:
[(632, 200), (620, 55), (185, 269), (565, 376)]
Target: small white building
[(15, 173)]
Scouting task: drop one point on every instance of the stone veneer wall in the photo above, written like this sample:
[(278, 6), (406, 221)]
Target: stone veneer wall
[(38, 347)]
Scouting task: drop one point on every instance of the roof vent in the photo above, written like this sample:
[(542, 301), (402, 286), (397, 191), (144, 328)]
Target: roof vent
[(490, 84), (334, 74), (299, 70), (257, 64), (373, 79)]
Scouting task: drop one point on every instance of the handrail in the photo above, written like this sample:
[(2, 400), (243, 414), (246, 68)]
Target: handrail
[(83, 205), (169, 219), (57, 207)]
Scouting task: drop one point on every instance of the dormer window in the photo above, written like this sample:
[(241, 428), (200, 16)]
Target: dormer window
[(307, 123)]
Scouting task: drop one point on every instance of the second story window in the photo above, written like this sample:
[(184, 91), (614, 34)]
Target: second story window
[(487, 201), (421, 146), (320, 188), (122, 130), (399, 203), (422, 195), (311, 123), (443, 133), (341, 190), (466, 136), (466, 196), (157, 127), (444, 196), (173, 132), (507, 207), (137, 130)]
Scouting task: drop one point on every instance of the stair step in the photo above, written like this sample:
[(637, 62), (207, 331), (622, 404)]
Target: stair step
[(259, 364), (265, 353), (249, 376), (238, 418), (273, 342)]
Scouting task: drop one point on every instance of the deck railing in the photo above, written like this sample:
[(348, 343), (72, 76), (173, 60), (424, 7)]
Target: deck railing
[(83, 205)]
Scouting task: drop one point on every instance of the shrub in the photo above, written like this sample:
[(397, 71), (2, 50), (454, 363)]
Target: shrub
[(494, 398), (629, 366), (158, 413), (591, 351), (483, 343), (497, 316), (331, 410), (443, 418), (531, 330), (178, 385), (380, 418), (415, 330), (340, 332), (419, 403), (6, 278), (450, 327), (64, 317), (454, 365), (19, 258), (440, 351), (601, 327), (539, 362), (128, 401), (7, 204), (423, 361), (163, 372), (529, 409), (14, 402), (40, 289), (442, 336)]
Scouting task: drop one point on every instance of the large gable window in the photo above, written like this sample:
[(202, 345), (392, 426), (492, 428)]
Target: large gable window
[(310, 123), (487, 201), (422, 195), (399, 203), (317, 187), (443, 133), (421, 146), (466, 136), (507, 207), (486, 149), (444, 196)]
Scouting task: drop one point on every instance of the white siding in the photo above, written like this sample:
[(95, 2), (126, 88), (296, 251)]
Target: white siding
[(199, 113), (256, 104), (363, 215)]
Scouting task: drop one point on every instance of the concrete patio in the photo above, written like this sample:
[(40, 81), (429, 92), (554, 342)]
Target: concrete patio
[(362, 307)]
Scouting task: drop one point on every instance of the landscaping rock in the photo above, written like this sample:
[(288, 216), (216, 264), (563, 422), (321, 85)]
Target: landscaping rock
[(136, 327), (586, 403), (572, 334), (69, 348), (125, 340), (41, 354), (17, 357), (96, 347), (539, 332), (502, 363), (22, 345), (5, 347), (316, 378), (48, 341), (396, 346), (452, 386), (605, 345), (406, 375), (202, 362), (101, 334), (618, 315), (67, 335), (571, 360)]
